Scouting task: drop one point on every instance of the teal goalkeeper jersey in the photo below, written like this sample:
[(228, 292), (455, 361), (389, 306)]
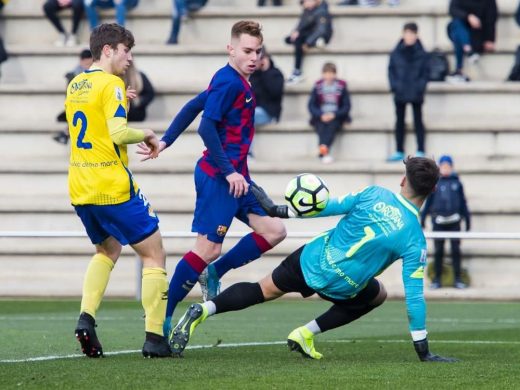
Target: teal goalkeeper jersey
[(378, 228)]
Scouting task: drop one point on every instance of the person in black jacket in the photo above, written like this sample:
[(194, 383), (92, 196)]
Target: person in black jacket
[(447, 206), (142, 93), (314, 30), (329, 105), (472, 31), (268, 84), (408, 73)]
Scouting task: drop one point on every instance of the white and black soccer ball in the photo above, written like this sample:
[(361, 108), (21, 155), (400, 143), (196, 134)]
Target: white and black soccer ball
[(306, 195)]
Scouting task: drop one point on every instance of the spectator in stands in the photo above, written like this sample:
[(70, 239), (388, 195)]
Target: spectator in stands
[(85, 62), (314, 30), (178, 13), (137, 82), (276, 3), (329, 106), (51, 9), (3, 53), (408, 73), (472, 31), (268, 85), (369, 3), (447, 206), (121, 6)]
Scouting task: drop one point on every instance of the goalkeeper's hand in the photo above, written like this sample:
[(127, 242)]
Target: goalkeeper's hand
[(273, 210), (421, 347)]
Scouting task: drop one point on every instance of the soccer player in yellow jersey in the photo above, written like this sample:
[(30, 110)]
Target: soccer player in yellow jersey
[(104, 193)]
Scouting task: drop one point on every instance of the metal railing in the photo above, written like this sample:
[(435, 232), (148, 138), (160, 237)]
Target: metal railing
[(295, 235)]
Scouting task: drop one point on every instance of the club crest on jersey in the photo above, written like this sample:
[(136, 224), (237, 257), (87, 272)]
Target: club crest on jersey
[(424, 256), (221, 230), (119, 94)]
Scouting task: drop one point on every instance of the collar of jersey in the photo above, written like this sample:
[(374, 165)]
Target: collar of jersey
[(94, 69), (409, 205)]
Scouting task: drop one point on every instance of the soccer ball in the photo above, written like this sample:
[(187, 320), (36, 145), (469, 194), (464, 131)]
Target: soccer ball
[(306, 195)]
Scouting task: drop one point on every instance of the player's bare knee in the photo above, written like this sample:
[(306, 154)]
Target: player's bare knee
[(269, 289), (276, 232), (381, 295)]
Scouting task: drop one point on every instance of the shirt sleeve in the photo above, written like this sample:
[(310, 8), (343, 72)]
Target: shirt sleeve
[(186, 115), (113, 99), (221, 95), (342, 205), (414, 261)]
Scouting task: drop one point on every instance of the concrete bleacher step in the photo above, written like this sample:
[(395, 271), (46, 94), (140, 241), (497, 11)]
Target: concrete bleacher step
[(350, 23), (362, 140), (343, 176), (36, 64), (489, 99)]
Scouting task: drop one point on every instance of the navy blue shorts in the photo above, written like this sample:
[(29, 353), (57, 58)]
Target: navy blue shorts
[(215, 208), (129, 222)]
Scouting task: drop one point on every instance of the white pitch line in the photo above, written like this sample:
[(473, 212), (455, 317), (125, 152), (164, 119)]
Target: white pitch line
[(256, 344), (511, 321)]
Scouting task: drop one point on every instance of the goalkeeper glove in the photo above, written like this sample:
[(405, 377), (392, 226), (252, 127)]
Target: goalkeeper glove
[(273, 210), (421, 347)]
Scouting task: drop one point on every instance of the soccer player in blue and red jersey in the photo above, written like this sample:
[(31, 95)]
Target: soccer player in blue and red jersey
[(378, 227), (222, 176)]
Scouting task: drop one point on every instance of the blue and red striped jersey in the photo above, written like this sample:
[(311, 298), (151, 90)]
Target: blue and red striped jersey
[(231, 103)]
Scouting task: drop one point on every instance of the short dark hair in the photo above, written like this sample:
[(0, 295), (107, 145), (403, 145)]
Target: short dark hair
[(329, 67), (411, 26), (85, 53), (248, 27), (109, 34), (422, 174)]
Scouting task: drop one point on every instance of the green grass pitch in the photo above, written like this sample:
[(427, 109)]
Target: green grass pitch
[(372, 353)]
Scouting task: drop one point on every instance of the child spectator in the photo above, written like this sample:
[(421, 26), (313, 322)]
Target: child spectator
[(268, 84), (472, 31), (447, 206), (329, 105), (51, 9), (121, 6), (276, 3), (314, 30), (408, 73), (138, 82)]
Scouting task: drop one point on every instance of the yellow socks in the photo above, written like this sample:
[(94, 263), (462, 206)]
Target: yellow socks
[(95, 283), (154, 298)]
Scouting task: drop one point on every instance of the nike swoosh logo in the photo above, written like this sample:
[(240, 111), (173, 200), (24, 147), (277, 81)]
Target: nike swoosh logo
[(302, 203), (248, 100)]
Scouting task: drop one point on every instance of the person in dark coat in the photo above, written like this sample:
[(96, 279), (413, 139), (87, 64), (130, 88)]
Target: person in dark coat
[(472, 31), (268, 85), (329, 106), (314, 30), (448, 207), (408, 73), (137, 82)]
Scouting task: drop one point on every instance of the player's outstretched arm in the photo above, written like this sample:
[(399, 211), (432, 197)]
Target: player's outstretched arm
[(423, 351), (273, 210), (144, 150)]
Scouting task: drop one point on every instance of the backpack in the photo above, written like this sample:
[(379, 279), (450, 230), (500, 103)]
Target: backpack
[(439, 65), (195, 5), (514, 75)]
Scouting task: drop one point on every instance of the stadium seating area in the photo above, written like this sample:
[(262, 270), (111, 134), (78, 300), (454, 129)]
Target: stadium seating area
[(477, 123)]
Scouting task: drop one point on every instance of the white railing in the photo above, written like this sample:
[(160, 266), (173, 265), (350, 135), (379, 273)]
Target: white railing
[(296, 235), (185, 234)]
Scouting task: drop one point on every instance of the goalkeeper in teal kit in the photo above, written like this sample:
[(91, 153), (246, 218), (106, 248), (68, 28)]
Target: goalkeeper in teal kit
[(340, 265)]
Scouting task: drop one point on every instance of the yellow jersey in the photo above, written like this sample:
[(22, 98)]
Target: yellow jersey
[(98, 172)]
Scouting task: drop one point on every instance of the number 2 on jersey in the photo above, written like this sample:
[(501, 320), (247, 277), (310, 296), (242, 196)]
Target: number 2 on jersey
[(369, 235), (80, 116)]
